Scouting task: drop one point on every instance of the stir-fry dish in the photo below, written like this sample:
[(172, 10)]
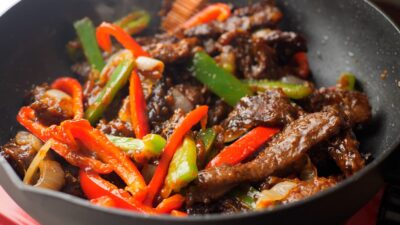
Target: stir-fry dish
[(218, 116)]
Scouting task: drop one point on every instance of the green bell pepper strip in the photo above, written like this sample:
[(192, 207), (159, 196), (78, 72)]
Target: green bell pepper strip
[(247, 195), (182, 169), (117, 80), (218, 80), (293, 91), (207, 138), (149, 147), (87, 36), (346, 81), (134, 22)]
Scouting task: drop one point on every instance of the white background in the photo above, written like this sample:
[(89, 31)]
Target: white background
[(6, 4)]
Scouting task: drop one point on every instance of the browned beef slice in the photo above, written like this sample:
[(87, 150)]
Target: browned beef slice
[(354, 104), (48, 109), (272, 108), (158, 108), (264, 14), (287, 147), (116, 127), (19, 156), (344, 150), (255, 59), (169, 125), (286, 44), (172, 50)]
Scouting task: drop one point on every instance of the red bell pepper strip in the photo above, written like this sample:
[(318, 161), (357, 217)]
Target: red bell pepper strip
[(95, 187), (106, 30), (178, 213), (172, 203), (27, 118), (72, 87), (104, 201), (170, 148), (96, 141), (138, 106), (303, 67), (243, 148), (217, 11)]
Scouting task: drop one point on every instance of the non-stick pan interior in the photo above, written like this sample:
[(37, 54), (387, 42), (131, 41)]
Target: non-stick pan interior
[(342, 36)]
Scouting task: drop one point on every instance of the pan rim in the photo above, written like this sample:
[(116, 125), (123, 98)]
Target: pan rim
[(16, 182)]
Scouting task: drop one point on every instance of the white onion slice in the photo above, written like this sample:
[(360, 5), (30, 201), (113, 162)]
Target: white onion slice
[(33, 167), (51, 175), (57, 94), (149, 64), (276, 193)]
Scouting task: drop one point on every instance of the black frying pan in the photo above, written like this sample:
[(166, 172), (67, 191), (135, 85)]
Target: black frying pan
[(342, 35)]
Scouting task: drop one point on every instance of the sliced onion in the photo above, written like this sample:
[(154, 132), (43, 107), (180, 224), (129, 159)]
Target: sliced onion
[(33, 167), (26, 138), (292, 80), (51, 175), (57, 94), (149, 64), (276, 193), (180, 101)]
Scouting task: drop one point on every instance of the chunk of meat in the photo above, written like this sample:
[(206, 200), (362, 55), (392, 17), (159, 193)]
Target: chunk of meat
[(116, 127), (255, 59), (171, 50), (158, 107), (20, 151), (169, 125), (264, 14), (354, 104), (218, 111), (286, 148), (344, 150), (19, 156), (286, 44), (272, 108), (50, 108), (71, 174)]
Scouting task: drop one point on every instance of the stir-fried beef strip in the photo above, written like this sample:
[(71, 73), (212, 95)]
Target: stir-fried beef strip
[(169, 125), (158, 107), (255, 58), (272, 108), (287, 147), (344, 150), (172, 51), (286, 44), (20, 151), (265, 14), (355, 104), (51, 106), (116, 127)]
